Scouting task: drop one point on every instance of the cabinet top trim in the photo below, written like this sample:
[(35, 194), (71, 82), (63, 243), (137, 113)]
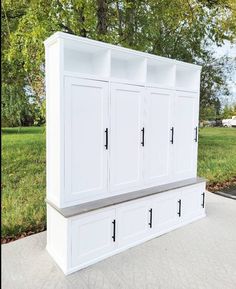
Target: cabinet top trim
[(69, 37), (118, 199)]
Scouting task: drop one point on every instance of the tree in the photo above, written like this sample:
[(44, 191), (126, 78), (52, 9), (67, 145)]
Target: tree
[(180, 29), (228, 111)]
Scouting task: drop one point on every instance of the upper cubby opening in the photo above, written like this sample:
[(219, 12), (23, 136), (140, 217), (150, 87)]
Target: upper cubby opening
[(86, 59), (128, 66), (187, 77), (161, 72)]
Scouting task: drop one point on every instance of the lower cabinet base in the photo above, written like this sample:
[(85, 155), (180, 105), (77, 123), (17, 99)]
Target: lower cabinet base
[(79, 241)]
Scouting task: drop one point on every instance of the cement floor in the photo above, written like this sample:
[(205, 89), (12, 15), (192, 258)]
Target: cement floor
[(201, 255)]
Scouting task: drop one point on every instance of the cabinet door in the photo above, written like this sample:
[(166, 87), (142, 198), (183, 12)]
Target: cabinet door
[(132, 222), (165, 212), (126, 126), (185, 135), (86, 119), (193, 203), (91, 237), (157, 123)]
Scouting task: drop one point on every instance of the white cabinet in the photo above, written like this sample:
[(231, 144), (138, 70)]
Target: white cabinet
[(126, 137), (133, 222), (185, 135), (122, 125), (118, 120), (78, 241), (86, 121), (92, 236), (157, 123)]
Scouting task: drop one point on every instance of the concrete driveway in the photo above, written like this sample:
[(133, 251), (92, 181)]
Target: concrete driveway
[(201, 255)]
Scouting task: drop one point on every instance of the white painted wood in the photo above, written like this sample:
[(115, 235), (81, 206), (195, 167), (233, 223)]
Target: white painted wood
[(187, 78), (91, 236), (165, 209), (161, 73), (76, 57), (185, 124), (125, 147), (157, 123), (58, 238), (54, 117), (79, 241), (127, 66), (93, 86), (192, 202), (86, 119), (88, 60), (132, 222)]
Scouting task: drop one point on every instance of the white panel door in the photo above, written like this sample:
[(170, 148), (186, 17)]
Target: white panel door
[(133, 222), (193, 203), (157, 123), (185, 135), (126, 134), (92, 236), (86, 120), (165, 211)]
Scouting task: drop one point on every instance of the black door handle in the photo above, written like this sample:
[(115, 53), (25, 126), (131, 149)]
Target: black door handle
[(150, 221), (106, 144), (143, 131), (196, 134), (203, 200), (179, 212), (114, 230), (172, 135)]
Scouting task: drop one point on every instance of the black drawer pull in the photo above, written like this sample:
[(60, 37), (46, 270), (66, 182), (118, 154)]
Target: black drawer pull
[(114, 230), (150, 221), (203, 200), (172, 135), (143, 131), (196, 132), (179, 212), (106, 132)]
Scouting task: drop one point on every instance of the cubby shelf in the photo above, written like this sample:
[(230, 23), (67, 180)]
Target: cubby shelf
[(92, 59), (128, 66), (187, 77), (161, 72)]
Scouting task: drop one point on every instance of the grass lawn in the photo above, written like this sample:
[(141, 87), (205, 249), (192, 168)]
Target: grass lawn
[(23, 181), (217, 154), (23, 173)]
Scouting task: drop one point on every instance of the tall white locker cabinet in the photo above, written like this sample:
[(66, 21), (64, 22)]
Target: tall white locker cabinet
[(122, 139)]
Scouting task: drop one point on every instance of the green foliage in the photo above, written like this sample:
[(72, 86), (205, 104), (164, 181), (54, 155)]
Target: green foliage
[(209, 112), (185, 30), (228, 111)]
